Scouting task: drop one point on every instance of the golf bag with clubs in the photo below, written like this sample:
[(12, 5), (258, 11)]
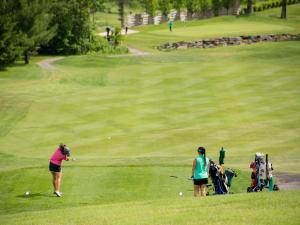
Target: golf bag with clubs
[(221, 180), (261, 176)]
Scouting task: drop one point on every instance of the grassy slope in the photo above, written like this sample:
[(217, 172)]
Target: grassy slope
[(133, 123), (262, 23), (261, 209)]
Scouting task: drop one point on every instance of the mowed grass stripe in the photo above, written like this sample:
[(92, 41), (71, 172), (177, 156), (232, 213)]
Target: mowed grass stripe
[(177, 211)]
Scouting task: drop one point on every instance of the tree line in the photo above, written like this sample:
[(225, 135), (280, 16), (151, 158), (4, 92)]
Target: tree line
[(49, 26), (64, 26)]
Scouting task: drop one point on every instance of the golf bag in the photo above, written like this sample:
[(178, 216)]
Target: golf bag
[(221, 181), (261, 176)]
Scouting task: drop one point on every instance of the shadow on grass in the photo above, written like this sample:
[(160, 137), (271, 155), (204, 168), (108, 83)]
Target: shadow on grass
[(35, 195)]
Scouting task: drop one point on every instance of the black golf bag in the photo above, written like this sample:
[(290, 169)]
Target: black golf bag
[(221, 181)]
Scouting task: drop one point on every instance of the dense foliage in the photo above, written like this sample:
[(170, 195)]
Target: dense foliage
[(47, 26)]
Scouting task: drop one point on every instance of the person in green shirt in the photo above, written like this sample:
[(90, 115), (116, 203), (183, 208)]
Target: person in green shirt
[(200, 172)]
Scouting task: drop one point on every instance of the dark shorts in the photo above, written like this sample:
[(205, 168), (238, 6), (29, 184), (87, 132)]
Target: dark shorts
[(54, 167), (200, 181)]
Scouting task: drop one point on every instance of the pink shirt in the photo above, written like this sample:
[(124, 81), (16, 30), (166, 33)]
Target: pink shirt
[(57, 157)]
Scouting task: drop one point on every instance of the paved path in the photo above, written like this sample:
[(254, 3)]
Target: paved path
[(103, 34), (47, 63), (287, 181)]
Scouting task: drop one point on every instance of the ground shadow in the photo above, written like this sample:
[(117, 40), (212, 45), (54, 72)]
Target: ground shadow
[(35, 195)]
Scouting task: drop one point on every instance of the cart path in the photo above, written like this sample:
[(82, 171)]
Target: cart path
[(132, 51), (129, 31), (47, 63), (288, 181)]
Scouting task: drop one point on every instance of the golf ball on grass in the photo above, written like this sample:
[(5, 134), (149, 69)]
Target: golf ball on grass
[(180, 194), (27, 193)]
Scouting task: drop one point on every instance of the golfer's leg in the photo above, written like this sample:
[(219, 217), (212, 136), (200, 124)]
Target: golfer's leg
[(53, 179), (196, 190), (203, 190), (59, 180)]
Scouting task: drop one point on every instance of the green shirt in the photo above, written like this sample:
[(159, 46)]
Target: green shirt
[(201, 169)]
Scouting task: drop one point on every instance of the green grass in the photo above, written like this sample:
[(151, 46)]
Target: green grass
[(264, 209), (132, 122), (262, 23)]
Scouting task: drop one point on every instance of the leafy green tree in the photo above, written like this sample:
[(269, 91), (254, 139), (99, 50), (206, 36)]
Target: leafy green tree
[(216, 5), (95, 6), (164, 6), (204, 6), (33, 22), (178, 4), (9, 37), (73, 27), (249, 7), (150, 6), (191, 6), (227, 4)]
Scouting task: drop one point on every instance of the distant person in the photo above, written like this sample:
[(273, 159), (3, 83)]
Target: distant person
[(60, 154), (170, 25), (126, 30), (200, 172), (107, 32)]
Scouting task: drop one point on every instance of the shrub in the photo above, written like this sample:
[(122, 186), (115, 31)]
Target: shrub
[(255, 8), (259, 8), (272, 4)]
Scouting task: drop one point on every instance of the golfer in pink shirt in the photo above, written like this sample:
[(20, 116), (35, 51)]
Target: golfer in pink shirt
[(60, 154)]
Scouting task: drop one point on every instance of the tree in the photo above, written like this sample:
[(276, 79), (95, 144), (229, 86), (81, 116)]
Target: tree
[(216, 5), (283, 9), (227, 4), (178, 4), (250, 7), (33, 22), (150, 6), (204, 6), (191, 6), (9, 38), (164, 6), (73, 27), (95, 6), (121, 12)]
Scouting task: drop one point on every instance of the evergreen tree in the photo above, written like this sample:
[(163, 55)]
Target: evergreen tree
[(9, 37), (33, 22)]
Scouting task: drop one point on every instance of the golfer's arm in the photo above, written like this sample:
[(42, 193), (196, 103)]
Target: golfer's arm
[(194, 166)]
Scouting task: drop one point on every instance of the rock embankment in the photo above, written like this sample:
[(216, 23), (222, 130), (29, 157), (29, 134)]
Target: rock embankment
[(228, 41)]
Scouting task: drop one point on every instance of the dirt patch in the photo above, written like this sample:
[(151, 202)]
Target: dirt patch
[(287, 181)]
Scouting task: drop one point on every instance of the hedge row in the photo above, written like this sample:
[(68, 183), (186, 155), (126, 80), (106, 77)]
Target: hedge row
[(271, 4)]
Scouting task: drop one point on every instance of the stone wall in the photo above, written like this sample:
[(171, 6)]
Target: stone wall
[(229, 41), (144, 18)]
